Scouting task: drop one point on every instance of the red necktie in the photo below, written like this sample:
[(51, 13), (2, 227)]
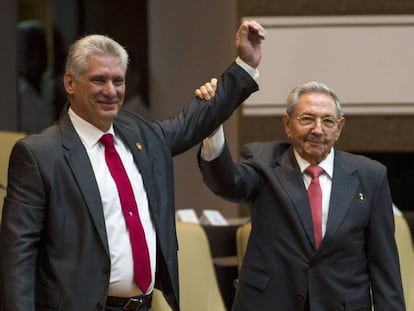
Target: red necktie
[(315, 200), (142, 268)]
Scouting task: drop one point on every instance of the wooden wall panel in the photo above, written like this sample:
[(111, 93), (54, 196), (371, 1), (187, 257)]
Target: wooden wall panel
[(324, 7), (361, 133)]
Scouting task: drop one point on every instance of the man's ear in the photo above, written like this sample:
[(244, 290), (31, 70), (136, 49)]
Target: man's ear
[(68, 81), (341, 125), (286, 124)]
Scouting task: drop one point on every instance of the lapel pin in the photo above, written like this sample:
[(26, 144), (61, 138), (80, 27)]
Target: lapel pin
[(361, 196), (139, 146)]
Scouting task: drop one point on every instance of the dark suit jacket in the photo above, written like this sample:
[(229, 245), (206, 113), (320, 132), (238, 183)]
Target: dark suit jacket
[(54, 249), (281, 267)]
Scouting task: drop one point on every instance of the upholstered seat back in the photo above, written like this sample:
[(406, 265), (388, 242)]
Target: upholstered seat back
[(199, 290), (7, 141), (406, 252)]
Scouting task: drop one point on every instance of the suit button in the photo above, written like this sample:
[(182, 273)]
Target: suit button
[(99, 306), (301, 297)]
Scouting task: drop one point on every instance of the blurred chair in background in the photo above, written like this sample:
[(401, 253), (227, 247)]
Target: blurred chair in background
[(242, 237), (198, 284), (406, 253), (158, 302), (2, 195), (7, 141)]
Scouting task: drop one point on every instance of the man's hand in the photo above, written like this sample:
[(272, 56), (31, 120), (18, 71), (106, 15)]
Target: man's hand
[(248, 42), (207, 90)]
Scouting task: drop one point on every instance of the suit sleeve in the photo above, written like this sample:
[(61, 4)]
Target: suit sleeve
[(22, 223), (201, 117), (382, 252), (234, 181)]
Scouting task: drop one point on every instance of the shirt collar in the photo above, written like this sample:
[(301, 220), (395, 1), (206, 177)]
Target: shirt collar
[(326, 164), (88, 133)]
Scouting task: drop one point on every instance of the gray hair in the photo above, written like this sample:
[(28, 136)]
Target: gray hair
[(79, 52), (311, 87)]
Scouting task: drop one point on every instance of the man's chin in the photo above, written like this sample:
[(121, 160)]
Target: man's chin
[(316, 154), (109, 109), (108, 115)]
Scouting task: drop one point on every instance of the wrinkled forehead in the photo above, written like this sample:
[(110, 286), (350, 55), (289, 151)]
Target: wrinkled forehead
[(104, 62), (316, 103)]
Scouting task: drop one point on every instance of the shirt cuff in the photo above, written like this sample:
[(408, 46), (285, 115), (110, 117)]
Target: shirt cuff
[(254, 73), (213, 145)]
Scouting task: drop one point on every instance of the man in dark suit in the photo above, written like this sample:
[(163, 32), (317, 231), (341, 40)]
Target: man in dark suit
[(335, 254), (65, 244)]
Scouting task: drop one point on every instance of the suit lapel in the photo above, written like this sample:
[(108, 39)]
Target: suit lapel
[(290, 177), (79, 163), (344, 185)]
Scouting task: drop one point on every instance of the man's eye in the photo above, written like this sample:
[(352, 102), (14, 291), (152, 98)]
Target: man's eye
[(307, 119), (98, 81), (328, 122), (118, 82)]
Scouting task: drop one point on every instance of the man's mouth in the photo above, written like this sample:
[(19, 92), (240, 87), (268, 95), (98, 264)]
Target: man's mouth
[(315, 142)]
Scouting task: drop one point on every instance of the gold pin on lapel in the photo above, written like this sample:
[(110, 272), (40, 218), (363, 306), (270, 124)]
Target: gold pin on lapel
[(139, 146), (361, 196)]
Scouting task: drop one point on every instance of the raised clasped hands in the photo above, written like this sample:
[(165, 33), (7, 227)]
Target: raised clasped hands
[(249, 38), (207, 90)]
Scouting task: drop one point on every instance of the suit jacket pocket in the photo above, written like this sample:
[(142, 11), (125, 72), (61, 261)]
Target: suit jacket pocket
[(46, 297), (358, 303), (255, 279)]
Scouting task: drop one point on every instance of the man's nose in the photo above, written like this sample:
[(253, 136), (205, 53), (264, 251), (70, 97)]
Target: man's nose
[(109, 88), (317, 125)]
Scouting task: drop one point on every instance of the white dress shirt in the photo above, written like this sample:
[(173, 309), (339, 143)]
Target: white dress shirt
[(122, 282)]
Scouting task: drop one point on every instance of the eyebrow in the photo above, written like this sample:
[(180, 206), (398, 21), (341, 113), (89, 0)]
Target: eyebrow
[(321, 116)]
